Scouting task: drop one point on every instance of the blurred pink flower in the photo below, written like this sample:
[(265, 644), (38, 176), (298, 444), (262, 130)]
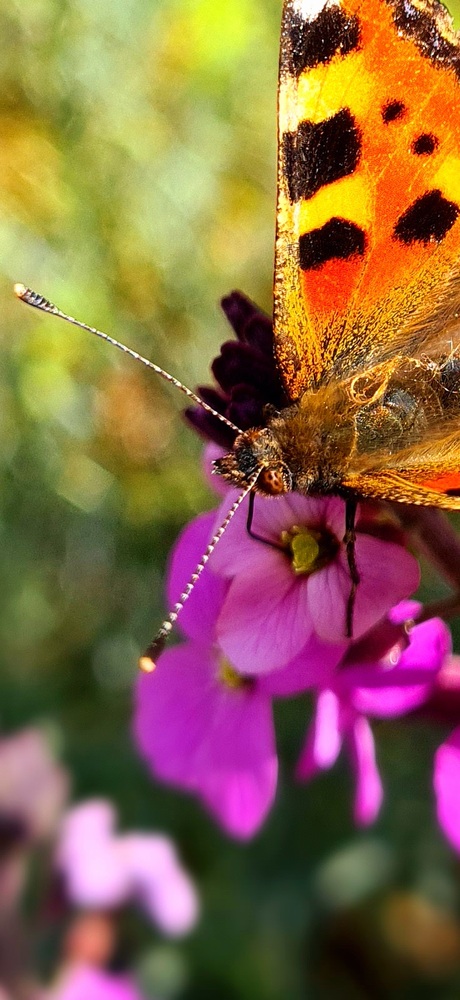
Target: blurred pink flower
[(447, 785), (33, 787), (200, 724), (103, 869), (280, 595), (447, 758), (83, 982), (394, 685)]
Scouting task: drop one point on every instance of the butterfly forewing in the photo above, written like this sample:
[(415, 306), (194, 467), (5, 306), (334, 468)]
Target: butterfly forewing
[(368, 234)]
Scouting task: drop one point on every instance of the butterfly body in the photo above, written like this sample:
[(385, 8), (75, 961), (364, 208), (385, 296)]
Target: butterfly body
[(363, 427), (367, 263), (305, 447)]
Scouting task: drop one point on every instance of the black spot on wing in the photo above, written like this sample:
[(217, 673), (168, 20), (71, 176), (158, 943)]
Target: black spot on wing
[(427, 220), (309, 43), (425, 144), (393, 111), (316, 155), (338, 238)]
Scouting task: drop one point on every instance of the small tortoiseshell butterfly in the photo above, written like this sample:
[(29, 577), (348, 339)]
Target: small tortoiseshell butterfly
[(367, 268), (367, 273)]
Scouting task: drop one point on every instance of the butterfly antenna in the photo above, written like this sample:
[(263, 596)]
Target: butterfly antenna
[(147, 662), (44, 305)]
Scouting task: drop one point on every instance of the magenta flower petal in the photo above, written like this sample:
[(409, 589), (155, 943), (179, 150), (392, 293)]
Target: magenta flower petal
[(390, 702), (386, 690), (388, 574), (210, 589), (172, 707), (404, 611), (204, 736), (239, 553), (369, 790), (429, 644), (239, 783), (328, 592), (296, 509), (447, 785), (265, 622), (83, 982), (324, 739), (313, 667), (319, 512)]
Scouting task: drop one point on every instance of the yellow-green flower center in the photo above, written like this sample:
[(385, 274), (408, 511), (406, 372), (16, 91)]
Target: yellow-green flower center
[(309, 549), (229, 677)]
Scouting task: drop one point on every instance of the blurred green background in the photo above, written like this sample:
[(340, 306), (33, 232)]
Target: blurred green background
[(137, 186)]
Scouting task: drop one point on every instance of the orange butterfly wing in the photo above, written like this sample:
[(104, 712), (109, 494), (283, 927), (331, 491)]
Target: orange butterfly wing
[(427, 473), (368, 221)]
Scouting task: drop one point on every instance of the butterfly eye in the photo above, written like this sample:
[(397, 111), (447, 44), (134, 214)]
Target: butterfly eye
[(275, 479)]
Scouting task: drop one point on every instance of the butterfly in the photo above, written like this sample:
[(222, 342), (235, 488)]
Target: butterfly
[(367, 261)]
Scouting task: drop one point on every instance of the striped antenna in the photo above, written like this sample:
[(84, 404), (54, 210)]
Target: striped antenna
[(39, 302), (147, 662)]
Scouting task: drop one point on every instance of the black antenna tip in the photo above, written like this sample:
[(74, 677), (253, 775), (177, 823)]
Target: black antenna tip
[(33, 298), (148, 661)]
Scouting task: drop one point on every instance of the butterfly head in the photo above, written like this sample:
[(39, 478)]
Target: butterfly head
[(253, 450)]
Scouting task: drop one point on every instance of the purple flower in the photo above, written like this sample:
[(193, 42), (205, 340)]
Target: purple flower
[(246, 374), (447, 785), (394, 685), (335, 724), (83, 982), (445, 702), (102, 869), (200, 724), (283, 593)]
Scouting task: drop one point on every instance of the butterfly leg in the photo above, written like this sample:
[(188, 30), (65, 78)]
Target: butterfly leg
[(349, 541), (253, 534)]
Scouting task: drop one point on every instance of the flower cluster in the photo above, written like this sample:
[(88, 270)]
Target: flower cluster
[(105, 870), (95, 873), (266, 621), (258, 627)]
